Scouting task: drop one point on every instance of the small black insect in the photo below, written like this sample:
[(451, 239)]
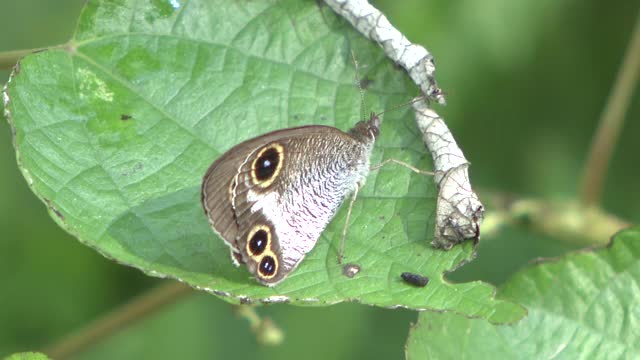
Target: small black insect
[(414, 279)]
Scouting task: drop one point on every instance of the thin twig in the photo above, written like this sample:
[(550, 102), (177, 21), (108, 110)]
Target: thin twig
[(611, 122), (8, 59), (567, 221), (119, 318), (459, 212), (414, 58), (267, 332)]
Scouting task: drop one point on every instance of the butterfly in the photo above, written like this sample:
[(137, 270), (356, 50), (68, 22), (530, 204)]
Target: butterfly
[(269, 198)]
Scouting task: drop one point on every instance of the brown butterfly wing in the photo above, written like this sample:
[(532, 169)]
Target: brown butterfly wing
[(286, 205), (222, 176), (216, 194)]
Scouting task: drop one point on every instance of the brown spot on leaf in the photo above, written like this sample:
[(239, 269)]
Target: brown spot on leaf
[(350, 270), (365, 83), (125, 117), (54, 209), (136, 168), (245, 300)]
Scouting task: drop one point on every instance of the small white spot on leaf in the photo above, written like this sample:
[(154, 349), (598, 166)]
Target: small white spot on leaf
[(91, 86)]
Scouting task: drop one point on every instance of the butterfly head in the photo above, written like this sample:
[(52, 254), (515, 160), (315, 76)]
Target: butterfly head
[(367, 131)]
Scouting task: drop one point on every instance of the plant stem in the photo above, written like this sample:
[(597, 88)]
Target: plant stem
[(9, 58), (110, 323), (267, 332), (568, 221), (611, 122)]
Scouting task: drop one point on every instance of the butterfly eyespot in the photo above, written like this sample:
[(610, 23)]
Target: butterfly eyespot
[(258, 240), (268, 266), (267, 165)]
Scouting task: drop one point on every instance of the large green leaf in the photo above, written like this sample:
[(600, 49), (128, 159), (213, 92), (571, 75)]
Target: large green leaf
[(583, 306), (115, 129)]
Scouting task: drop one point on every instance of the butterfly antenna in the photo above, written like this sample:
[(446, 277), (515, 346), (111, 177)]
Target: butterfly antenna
[(363, 106), (414, 100)]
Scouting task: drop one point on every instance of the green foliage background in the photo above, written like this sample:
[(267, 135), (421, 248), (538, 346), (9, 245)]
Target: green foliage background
[(526, 84)]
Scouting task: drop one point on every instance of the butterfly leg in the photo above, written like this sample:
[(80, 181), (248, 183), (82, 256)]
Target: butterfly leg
[(399, 162), (346, 224)]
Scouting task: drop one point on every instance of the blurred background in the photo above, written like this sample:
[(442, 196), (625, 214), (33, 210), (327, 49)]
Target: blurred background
[(526, 83)]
